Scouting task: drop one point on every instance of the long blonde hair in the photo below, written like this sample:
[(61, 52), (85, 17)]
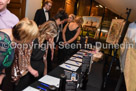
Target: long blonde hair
[(79, 20), (48, 28), (73, 16), (25, 30)]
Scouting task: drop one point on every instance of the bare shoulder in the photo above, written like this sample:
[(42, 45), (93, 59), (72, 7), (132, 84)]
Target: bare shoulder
[(7, 31)]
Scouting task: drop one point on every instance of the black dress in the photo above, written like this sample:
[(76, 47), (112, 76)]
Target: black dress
[(36, 63), (69, 49), (37, 57)]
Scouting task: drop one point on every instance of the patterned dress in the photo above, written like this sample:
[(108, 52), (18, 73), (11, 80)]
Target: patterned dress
[(6, 51)]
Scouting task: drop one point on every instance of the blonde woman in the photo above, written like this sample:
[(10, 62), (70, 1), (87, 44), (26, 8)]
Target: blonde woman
[(23, 32), (71, 18), (39, 51), (70, 33)]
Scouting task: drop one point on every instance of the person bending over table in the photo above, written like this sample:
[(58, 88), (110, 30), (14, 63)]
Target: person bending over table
[(47, 32), (23, 32), (70, 33)]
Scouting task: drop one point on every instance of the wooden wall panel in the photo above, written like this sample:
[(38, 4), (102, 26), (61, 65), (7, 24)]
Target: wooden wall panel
[(84, 7), (69, 6), (18, 8), (56, 5)]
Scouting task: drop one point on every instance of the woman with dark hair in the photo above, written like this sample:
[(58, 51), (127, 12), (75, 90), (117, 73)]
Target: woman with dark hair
[(59, 19)]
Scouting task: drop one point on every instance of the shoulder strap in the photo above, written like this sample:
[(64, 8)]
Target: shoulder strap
[(68, 25), (77, 28)]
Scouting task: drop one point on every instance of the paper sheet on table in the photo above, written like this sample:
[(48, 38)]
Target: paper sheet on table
[(50, 80), (76, 59), (73, 63), (29, 88), (79, 56), (81, 53), (69, 67)]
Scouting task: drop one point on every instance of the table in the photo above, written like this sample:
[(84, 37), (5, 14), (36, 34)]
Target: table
[(95, 77)]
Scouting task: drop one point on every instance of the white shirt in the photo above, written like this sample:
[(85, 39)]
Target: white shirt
[(7, 19), (46, 14)]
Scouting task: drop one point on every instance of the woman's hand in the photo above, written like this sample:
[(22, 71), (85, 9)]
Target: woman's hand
[(33, 71), (1, 78), (52, 54), (45, 64), (45, 71), (51, 40), (65, 42)]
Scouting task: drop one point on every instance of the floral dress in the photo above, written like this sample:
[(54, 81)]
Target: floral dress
[(6, 51)]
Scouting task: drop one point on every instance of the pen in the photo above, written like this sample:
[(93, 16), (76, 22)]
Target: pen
[(77, 63), (41, 88), (68, 66), (73, 58), (79, 56), (45, 84)]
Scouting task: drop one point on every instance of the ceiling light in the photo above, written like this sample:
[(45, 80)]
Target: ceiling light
[(101, 6), (103, 30), (116, 17)]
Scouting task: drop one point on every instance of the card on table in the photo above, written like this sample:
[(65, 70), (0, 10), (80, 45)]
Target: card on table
[(50, 80), (29, 88), (76, 59), (81, 53), (69, 67), (78, 56), (73, 63)]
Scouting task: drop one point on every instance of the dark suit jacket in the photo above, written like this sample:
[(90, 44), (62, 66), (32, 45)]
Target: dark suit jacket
[(40, 17)]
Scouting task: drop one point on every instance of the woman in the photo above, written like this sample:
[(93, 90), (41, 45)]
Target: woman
[(23, 32), (47, 32), (70, 33), (71, 18)]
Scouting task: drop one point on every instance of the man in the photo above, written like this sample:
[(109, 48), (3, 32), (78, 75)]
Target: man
[(7, 19), (43, 15)]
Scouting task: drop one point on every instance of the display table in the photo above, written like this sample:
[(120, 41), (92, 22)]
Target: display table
[(74, 65)]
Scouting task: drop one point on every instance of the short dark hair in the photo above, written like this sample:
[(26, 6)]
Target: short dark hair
[(46, 2), (61, 14)]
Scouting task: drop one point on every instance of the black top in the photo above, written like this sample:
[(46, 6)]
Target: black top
[(38, 52), (70, 34), (40, 17)]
